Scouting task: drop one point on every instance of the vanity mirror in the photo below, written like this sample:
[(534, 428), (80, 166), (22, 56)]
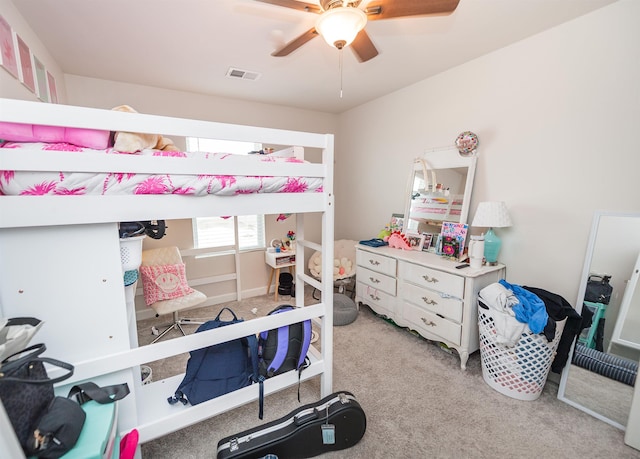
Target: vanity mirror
[(438, 190), (599, 374)]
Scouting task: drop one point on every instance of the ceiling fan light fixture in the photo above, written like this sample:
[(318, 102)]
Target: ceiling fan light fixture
[(339, 26)]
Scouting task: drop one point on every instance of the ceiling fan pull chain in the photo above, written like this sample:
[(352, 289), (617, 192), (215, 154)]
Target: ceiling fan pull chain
[(340, 66)]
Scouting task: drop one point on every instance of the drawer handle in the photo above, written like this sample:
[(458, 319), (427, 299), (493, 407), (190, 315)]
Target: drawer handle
[(374, 262), (374, 280), (428, 300), (374, 297), (428, 322), (430, 279)]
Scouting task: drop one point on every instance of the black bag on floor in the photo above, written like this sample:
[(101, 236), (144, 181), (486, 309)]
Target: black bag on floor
[(334, 423), (26, 390), (598, 289), (285, 284)]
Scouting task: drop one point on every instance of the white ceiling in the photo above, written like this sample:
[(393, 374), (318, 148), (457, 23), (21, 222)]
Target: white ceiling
[(189, 45)]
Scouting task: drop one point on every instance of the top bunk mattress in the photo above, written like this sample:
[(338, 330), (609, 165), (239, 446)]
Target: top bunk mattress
[(216, 177)]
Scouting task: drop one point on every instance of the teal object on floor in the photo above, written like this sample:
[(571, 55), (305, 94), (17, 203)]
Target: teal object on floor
[(98, 437)]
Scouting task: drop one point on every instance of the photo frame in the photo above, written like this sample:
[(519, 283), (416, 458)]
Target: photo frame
[(415, 240), (8, 55), (397, 222), (53, 92), (427, 243), (27, 76), (41, 80)]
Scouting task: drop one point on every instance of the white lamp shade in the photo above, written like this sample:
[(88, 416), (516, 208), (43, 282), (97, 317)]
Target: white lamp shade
[(341, 25), (492, 214)]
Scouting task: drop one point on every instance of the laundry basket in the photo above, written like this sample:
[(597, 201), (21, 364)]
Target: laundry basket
[(521, 371), (131, 252)]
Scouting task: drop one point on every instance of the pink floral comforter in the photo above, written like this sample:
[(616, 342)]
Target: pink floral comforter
[(14, 183)]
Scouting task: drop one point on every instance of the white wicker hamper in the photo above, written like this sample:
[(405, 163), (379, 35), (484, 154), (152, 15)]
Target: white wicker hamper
[(521, 371)]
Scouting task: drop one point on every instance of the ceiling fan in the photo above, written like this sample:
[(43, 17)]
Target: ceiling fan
[(341, 22)]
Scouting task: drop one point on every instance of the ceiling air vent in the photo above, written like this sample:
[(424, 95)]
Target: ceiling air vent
[(242, 74)]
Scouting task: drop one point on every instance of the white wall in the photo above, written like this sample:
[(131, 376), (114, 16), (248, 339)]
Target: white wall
[(555, 115), (11, 87)]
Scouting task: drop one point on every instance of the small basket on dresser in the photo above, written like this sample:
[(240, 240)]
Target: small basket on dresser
[(520, 371)]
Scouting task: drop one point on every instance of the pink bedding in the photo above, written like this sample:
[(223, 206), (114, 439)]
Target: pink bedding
[(90, 138), (13, 183)]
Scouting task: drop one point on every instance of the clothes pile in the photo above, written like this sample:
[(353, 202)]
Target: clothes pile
[(514, 308)]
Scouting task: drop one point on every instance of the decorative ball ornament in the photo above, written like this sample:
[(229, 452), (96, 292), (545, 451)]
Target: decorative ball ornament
[(467, 143)]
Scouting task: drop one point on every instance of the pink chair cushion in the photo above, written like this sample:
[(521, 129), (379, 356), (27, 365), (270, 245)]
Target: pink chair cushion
[(164, 282), (88, 138)]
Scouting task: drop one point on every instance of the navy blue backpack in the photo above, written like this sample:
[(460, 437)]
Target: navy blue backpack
[(221, 368)]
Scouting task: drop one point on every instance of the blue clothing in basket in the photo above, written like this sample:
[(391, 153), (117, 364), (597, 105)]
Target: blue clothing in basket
[(530, 310)]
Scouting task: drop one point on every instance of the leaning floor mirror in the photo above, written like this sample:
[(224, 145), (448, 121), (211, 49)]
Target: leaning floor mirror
[(603, 364)]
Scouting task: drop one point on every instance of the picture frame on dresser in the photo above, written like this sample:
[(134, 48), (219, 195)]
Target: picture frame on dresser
[(416, 241), (427, 245), (397, 222)]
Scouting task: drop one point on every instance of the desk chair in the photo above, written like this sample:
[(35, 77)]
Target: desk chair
[(165, 288)]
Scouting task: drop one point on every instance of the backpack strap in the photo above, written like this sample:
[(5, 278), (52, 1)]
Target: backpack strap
[(84, 392), (252, 342), (178, 397), (306, 342), (281, 350), (235, 318)]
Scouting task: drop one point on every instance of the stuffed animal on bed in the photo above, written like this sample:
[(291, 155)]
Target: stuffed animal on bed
[(131, 142)]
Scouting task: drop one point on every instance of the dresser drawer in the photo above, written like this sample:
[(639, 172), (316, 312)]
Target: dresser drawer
[(428, 324), (433, 301), (376, 280), (376, 262), (381, 302), (449, 284)]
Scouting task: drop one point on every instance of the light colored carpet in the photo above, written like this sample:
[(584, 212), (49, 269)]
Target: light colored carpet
[(417, 400)]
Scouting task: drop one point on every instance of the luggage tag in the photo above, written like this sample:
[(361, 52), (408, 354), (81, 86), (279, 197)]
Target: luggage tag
[(328, 431)]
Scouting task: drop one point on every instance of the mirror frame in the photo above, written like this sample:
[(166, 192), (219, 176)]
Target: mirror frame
[(448, 158), (583, 285), (629, 294)]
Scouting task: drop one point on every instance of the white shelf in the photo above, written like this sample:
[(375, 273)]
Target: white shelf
[(157, 417)]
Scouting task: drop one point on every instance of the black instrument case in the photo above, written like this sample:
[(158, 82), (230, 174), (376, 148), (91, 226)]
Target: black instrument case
[(334, 423)]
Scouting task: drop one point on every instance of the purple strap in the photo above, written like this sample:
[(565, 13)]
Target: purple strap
[(281, 354), (306, 341)]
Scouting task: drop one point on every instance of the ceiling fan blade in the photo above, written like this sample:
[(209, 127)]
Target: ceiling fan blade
[(387, 9), (363, 47), (295, 43), (301, 6)]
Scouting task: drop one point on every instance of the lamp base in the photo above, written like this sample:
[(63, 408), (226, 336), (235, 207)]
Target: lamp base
[(492, 245)]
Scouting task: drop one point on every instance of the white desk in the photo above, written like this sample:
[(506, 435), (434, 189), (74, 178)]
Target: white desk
[(278, 260)]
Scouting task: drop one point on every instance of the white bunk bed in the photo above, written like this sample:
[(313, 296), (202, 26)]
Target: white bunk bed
[(61, 261)]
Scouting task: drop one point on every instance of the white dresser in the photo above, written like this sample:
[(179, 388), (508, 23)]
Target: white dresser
[(424, 292)]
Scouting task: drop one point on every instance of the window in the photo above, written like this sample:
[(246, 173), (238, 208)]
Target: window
[(219, 232), (209, 232)]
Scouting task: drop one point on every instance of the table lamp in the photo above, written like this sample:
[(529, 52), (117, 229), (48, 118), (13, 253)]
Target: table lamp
[(492, 214)]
